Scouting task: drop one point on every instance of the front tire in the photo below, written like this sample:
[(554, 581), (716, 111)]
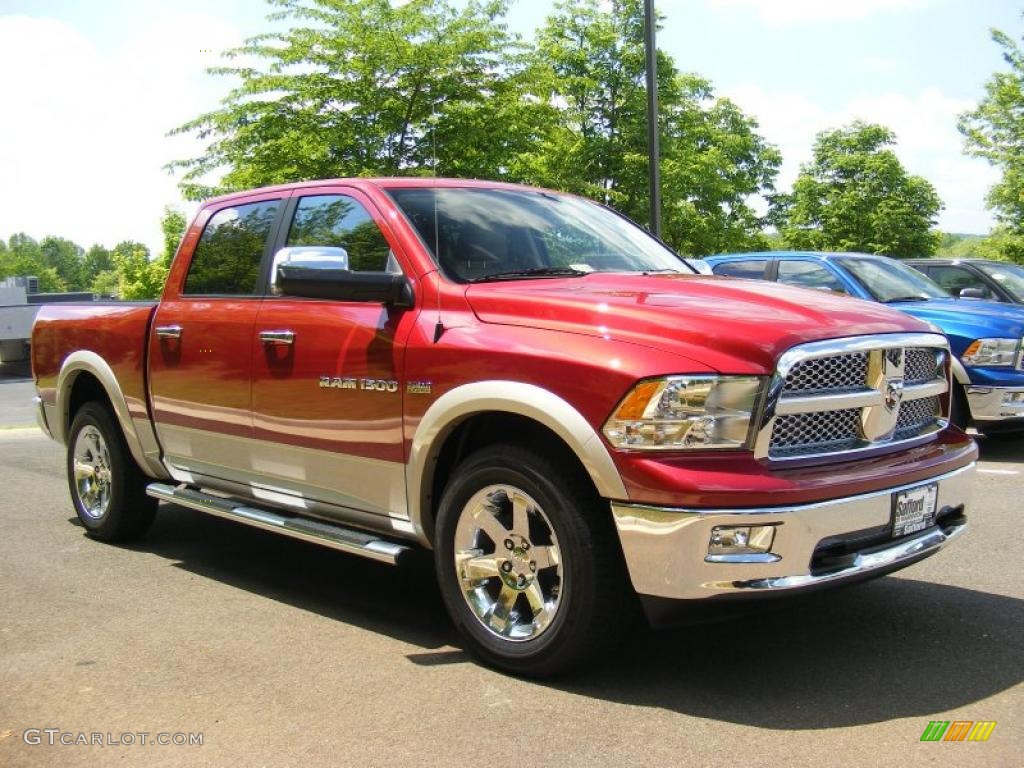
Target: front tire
[(529, 564), (108, 490)]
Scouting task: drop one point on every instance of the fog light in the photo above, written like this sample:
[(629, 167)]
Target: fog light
[(741, 540), (1013, 398)]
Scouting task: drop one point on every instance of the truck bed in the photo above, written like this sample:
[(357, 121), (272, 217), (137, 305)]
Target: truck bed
[(115, 331)]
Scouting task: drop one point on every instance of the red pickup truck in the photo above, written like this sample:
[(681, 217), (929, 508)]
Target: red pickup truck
[(526, 383)]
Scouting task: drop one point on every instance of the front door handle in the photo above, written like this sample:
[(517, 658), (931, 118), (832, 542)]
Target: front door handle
[(168, 331), (277, 337)]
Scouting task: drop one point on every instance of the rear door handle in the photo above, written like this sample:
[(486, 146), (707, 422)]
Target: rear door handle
[(168, 331), (277, 337)]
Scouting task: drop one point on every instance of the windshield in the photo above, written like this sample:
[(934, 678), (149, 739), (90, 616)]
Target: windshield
[(478, 234), (888, 280), (1009, 276)]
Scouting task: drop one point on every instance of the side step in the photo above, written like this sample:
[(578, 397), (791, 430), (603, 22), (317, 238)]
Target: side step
[(325, 534)]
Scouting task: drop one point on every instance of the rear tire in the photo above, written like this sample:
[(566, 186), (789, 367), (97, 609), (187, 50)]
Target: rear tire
[(529, 563), (108, 490)]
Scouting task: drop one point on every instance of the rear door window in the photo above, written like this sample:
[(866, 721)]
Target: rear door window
[(753, 270), (228, 255)]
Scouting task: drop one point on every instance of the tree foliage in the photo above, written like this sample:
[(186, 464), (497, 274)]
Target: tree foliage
[(855, 195), (590, 58), (995, 131), (365, 87)]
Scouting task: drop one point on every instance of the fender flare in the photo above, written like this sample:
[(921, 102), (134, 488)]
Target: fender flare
[(531, 401), (143, 446), (959, 372)]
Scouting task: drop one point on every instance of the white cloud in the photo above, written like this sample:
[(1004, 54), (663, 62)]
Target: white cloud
[(925, 126), (83, 140), (784, 12)]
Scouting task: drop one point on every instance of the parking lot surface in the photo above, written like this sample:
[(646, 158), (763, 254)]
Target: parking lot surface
[(282, 654)]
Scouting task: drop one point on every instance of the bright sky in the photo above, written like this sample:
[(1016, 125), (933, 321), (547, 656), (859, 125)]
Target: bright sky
[(89, 89)]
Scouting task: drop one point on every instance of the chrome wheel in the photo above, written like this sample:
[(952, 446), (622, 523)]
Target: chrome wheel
[(92, 472), (508, 563)]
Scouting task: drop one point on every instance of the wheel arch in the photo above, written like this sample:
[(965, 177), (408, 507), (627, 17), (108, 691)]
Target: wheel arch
[(444, 425), (959, 372), (86, 376)]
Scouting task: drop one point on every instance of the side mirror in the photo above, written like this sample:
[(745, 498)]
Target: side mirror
[(973, 293), (308, 256), (702, 267), (344, 285)]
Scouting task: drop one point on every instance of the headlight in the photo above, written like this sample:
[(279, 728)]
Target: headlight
[(991, 352), (686, 413)]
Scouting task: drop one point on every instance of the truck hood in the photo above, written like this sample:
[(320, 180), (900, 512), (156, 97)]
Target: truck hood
[(726, 324), (967, 318)]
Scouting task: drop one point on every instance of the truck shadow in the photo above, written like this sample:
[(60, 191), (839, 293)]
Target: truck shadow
[(886, 649), (1008, 447)]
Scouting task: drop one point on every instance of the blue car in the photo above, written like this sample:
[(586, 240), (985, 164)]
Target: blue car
[(986, 338)]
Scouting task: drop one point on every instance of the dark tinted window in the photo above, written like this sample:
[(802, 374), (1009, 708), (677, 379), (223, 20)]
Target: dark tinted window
[(955, 279), (227, 257), (807, 274), (476, 233), (753, 270), (341, 222)]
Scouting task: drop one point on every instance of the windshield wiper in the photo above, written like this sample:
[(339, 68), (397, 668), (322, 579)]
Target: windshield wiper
[(536, 272), (906, 298)]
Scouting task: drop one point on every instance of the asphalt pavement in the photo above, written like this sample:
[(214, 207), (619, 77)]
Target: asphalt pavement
[(279, 653)]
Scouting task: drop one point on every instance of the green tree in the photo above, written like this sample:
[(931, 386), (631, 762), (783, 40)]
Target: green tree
[(855, 195), (369, 87), (97, 261), (590, 60), (66, 258), (995, 131), (139, 277), (24, 257), (172, 225)]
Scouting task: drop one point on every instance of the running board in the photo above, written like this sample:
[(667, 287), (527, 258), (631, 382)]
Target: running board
[(325, 534)]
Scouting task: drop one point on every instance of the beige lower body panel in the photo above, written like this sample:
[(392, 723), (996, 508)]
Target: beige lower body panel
[(305, 480)]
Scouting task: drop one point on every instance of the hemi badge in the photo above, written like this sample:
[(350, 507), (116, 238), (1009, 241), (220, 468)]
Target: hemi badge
[(418, 387)]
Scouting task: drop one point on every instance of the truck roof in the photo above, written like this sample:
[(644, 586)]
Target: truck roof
[(380, 182)]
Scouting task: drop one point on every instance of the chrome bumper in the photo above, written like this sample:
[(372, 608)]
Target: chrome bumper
[(666, 549), (987, 403)]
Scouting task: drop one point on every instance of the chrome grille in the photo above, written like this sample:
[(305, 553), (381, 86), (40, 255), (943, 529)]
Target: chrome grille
[(848, 395), (920, 365), (800, 433), (915, 414), (828, 373)]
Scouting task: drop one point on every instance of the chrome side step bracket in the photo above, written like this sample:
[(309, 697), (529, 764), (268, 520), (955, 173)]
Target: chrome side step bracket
[(334, 536)]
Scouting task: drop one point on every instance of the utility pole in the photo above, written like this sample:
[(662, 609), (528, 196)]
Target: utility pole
[(653, 143)]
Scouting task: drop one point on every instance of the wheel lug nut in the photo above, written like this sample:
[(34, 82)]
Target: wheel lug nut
[(509, 544), (533, 567), (522, 580), (506, 566)]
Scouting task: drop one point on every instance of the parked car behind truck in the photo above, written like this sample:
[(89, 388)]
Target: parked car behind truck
[(986, 338), (522, 381), (975, 278)]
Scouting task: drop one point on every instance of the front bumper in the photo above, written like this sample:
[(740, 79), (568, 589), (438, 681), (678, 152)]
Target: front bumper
[(995, 403), (666, 549)]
